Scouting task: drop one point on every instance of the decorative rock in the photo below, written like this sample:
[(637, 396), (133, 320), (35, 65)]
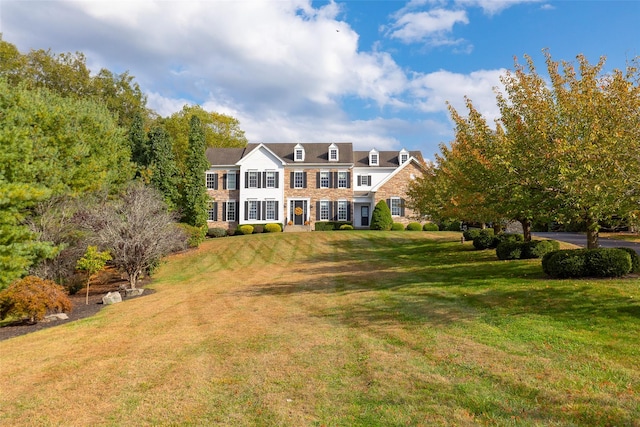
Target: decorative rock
[(111, 298), (133, 292), (55, 316)]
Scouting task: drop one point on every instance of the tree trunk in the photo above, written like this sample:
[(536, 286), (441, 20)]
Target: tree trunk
[(133, 278), (88, 280), (592, 233), (526, 229)]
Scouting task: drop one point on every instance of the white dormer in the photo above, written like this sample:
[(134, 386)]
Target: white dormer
[(403, 156), (334, 154), (298, 153), (374, 158)]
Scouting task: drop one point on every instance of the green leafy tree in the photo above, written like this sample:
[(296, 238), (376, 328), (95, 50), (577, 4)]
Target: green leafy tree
[(164, 173), (139, 142), (194, 193), (381, 217), (219, 130), (92, 262)]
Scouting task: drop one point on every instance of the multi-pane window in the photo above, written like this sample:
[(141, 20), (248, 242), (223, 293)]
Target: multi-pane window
[(253, 209), (211, 211), (403, 158), (333, 154), (298, 180), (364, 180), (324, 210), (395, 206), (373, 159), (212, 179), (231, 211), (342, 210), (271, 179), (231, 181), (342, 179), (324, 179), (299, 154), (253, 179), (270, 207)]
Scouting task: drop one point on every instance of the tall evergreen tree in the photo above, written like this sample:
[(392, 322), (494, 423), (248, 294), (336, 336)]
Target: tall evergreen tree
[(194, 193), (165, 175), (139, 142)]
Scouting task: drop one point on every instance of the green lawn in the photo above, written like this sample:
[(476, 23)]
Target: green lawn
[(339, 329)]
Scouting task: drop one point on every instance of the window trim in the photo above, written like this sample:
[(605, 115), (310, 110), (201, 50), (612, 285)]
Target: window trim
[(250, 175), (234, 209), (327, 177), (235, 180), (326, 208), (345, 179), (297, 174), (342, 206), (393, 201), (211, 178)]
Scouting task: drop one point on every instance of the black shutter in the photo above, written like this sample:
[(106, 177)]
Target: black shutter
[(348, 179), (215, 181), (277, 178), (402, 207), (238, 181), (304, 180), (264, 210), (246, 211), (259, 179), (359, 180), (291, 179), (389, 203), (224, 181), (334, 184), (224, 211), (317, 179), (348, 211), (214, 206), (318, 210), (277, 216), (246, 180), (334, 217)]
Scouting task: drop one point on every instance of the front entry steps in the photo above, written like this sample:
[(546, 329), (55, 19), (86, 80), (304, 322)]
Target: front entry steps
[(296, 228)]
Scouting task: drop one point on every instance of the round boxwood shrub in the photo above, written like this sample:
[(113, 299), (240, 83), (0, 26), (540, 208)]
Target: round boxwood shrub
[(510, 237), (414, 226), (272, 228), (471, 234), (509, 250), (430, 226), (539, 248), (346, 227), (453, 226), (216, 232), (635, 259), (607, 262), (244, 229), (485, 240), (565, 263), (396, 226)]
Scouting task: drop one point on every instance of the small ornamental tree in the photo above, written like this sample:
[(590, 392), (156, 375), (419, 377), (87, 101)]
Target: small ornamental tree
[(92, 262), (381, 217), (33, 297)]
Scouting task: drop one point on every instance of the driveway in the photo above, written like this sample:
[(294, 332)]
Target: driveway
[(581, 240)]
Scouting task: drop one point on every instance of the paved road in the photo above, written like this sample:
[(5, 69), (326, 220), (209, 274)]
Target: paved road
[(581, 240)]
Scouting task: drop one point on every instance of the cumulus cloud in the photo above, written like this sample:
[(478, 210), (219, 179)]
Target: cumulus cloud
[(433, 26), (493, 7)]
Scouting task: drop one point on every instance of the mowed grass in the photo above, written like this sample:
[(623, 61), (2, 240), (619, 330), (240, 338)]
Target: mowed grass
[(339, 329)]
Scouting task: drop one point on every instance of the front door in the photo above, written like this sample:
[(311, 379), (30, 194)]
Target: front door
[(298, 212), (364, 216)]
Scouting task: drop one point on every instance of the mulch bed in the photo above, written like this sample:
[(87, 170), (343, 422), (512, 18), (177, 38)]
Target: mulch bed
[(110, 281)]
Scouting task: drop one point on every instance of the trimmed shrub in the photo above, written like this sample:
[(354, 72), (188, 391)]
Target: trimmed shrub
[(33, 297), (539, 248), (195, 235), (346, 227), (258, 228), (381, 217), (485, 240), (453, 226), (607, 262), (635, 259), (273, 228), (602, 262), (245, 229), (509, 250), (330, 225), (414, 226), (216, 232), (430, 226), (396, 226), (472, 233), (510, 237)]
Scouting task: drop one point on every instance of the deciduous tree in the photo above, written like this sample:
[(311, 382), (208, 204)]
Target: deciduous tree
[(92, 262)]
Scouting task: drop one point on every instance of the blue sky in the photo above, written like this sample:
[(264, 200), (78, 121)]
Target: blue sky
[(374, 73)]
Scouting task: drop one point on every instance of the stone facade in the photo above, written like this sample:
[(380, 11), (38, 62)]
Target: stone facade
[(398, 186)]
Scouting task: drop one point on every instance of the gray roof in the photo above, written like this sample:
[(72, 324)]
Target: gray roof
[(316, 152)]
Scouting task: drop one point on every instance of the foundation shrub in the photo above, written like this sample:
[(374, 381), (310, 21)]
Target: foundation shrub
[(273, 228), (396, 226), (258, 228), (346, 227), (430, 226), (244, 229), (216, 232), (414, 226)]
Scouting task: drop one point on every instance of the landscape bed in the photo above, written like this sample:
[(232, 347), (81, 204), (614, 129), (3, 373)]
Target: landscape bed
[(339, 328)]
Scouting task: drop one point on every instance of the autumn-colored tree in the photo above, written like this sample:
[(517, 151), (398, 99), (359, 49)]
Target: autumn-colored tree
[(33, 297), (92, 262)]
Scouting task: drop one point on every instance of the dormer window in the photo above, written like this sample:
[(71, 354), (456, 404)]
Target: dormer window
[(374, 158), (333, 153), (403, 156), (298, 153)]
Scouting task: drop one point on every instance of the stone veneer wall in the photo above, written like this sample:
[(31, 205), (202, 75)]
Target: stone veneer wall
[(397, 187), (221, 196)]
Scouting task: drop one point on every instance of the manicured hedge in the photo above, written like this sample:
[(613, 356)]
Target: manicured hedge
[(396, 226), (272, 228), (472, 233), (635, 259), (245, 229), (414, 226), (330, 225), (602, 262), (216, 232), (430, 226), (346, 227), (507, 249), (485, 240)]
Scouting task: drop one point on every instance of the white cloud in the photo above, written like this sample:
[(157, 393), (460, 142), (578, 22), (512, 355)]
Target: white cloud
[(433, 26), (493, 7)]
